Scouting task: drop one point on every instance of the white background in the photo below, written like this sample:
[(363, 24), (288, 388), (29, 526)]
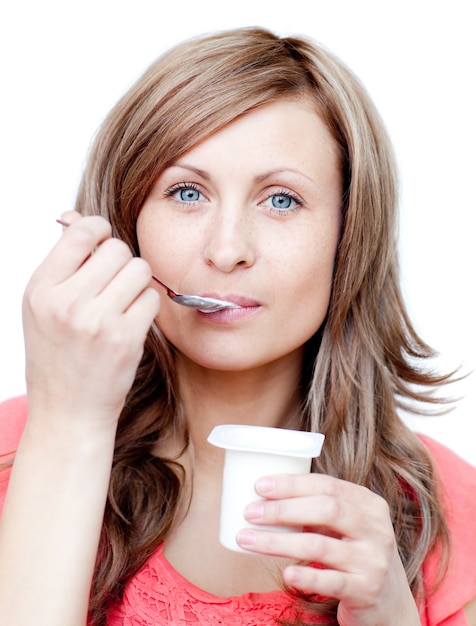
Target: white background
[(63, 64)]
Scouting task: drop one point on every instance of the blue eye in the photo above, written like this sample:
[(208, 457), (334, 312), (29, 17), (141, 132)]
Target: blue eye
[(187, 193), (283, 202)]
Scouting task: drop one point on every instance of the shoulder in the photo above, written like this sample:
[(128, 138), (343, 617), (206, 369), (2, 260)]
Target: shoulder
[(13, 415), (444, 457), (457, 485)]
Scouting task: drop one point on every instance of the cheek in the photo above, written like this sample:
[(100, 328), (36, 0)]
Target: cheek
[(310, 293), (163, 248), (311, 265)]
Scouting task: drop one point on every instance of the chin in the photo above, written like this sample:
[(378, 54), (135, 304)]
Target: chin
[(243, 360), (221, 364)]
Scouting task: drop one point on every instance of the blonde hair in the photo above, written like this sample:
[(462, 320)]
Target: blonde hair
[(363, 364)]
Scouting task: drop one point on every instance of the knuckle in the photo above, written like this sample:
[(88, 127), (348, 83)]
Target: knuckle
[(51, 309), (88, 231), (338, 585), (88, 327), (388, 542), (119, 341), (97, 223), (332, 486), (331, 509), (33, 298), (318, 548), (274, 511), (270, 542), (83, 236), (373, 584), (291, 483), (70, 315)]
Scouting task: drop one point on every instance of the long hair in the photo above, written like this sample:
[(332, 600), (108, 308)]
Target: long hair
[(366, 361)]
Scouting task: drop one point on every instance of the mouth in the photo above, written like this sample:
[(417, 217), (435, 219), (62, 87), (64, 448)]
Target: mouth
[(242, 302)]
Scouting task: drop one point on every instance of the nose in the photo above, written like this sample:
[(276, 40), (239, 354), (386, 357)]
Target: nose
[(230, 242)]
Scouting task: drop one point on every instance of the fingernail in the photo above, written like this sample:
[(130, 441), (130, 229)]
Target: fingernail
[(246, 537), (254, 511), (265, 485)]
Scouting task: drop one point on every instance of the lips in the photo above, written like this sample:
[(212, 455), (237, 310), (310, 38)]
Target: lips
[(241, 301)]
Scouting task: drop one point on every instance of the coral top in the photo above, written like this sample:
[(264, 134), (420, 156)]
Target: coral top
[(158, 595)]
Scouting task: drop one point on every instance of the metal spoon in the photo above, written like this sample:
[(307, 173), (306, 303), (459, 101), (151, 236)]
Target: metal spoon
[(205, 305)]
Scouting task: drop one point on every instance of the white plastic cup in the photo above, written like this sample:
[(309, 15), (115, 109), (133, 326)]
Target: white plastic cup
[(250, 453)]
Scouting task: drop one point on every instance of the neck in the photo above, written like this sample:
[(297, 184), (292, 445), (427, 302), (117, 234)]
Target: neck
[(265, 396)]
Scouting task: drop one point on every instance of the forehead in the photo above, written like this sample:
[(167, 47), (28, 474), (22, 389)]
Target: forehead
[(289, 127)]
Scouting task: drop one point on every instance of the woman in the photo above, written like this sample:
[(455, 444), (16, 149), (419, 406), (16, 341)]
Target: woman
[(255, 169)]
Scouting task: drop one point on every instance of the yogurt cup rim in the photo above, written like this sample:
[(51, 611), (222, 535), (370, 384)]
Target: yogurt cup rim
[(266, 439)]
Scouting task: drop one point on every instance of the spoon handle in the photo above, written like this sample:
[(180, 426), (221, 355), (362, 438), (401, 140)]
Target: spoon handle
[(170, 292)]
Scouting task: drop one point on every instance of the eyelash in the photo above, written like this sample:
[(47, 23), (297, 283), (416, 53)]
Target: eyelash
[(286, 194), (298, 202), (169, 193)]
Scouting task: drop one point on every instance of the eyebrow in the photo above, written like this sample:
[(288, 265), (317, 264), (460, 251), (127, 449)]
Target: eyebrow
[(196, 170), (257, 179)]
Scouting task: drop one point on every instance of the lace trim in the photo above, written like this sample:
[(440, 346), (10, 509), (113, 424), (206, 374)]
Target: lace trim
[(158, 595)]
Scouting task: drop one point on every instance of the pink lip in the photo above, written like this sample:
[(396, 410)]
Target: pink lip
[(241, 301), (248, 308), (229, 316)]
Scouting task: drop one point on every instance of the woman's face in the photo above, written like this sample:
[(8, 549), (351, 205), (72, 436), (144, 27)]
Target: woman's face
[(252, 214)]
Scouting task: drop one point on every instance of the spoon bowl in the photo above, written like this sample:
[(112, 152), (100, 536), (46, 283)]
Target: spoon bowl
[(205, 305)]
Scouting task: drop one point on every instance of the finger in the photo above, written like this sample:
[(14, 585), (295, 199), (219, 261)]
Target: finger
[(68, 217), (73, 248), (282, 486), (337, 511), (121, 292), (325, 514), (318, 512), (312, 547), (142, 312), (326, 582), (97, 272)]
